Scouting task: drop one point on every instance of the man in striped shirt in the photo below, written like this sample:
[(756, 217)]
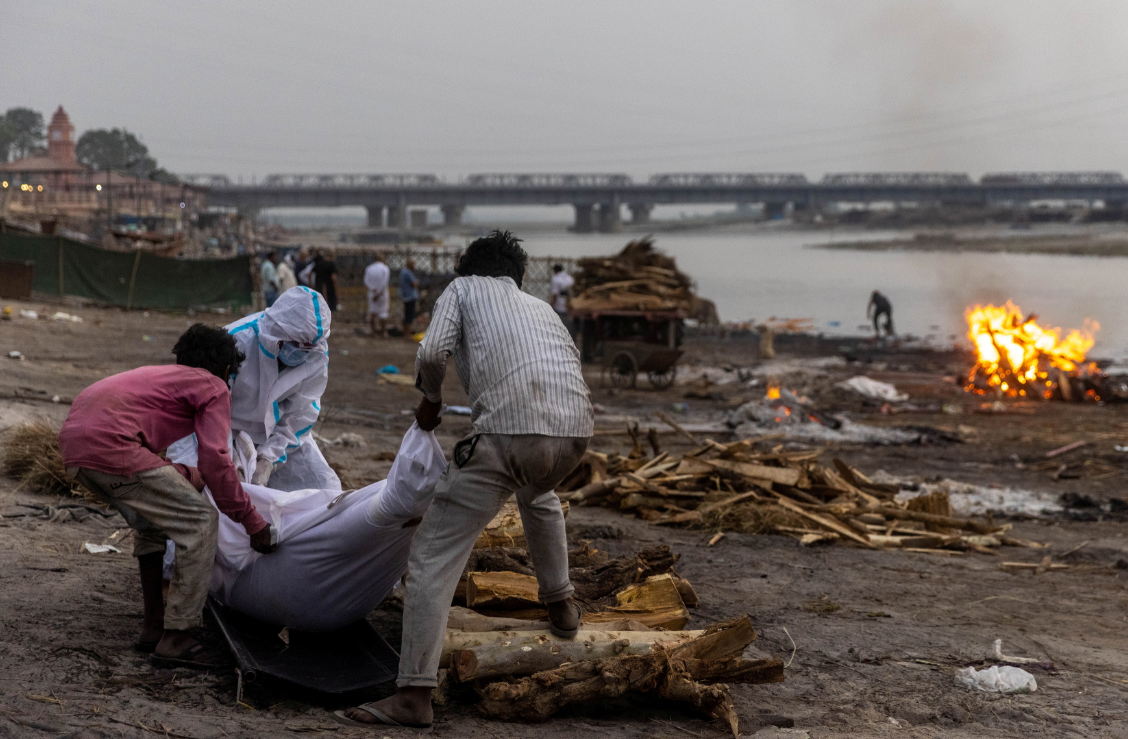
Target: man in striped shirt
[(532, 418)]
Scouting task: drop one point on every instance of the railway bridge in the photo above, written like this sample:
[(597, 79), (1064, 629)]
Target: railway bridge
[(599, 199)]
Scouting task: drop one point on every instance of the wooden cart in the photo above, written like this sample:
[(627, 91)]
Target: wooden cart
[(628, 343)]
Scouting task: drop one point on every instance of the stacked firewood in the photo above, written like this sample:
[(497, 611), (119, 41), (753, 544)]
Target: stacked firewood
[(631, 636), (743, 487), (639, 278)]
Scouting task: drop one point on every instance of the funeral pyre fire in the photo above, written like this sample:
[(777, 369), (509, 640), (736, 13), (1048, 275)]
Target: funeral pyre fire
[(1016, 357)]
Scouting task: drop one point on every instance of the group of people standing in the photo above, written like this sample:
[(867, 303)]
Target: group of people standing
[(158, 444), (281, 274), (320, 273)]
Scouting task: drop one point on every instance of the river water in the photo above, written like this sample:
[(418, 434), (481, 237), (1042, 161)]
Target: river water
[(762, 273)]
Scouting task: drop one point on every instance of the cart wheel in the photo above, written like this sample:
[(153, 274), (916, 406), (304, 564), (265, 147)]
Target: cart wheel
[(662, 380), (623, 370)]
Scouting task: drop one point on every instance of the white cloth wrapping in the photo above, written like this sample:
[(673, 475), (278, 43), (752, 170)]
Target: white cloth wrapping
[(278, 409), (338, 554)]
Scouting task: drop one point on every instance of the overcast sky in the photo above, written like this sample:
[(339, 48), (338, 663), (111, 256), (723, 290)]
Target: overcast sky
[(251, 88)]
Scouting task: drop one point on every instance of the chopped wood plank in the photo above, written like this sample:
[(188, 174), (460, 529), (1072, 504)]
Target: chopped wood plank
[(501, 590), (782, 475), (830, 523)]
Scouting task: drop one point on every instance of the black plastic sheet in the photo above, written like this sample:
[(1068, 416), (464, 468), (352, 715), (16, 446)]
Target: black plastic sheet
[(337, 661)]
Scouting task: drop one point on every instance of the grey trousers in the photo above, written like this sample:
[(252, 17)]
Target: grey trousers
[(466, 500), (160, 505)]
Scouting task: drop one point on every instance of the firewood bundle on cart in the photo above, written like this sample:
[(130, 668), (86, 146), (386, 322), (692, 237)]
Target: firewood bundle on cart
[(629, 312), (639, 278), (632, 637), (751, 486)]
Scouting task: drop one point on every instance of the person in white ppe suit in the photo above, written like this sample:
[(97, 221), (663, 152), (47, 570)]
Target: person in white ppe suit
[(276, 397)]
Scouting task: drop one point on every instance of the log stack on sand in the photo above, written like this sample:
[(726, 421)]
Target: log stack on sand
[(754, 487), (631, 638)]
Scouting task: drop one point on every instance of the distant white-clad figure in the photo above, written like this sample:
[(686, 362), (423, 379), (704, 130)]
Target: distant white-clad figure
[(276, 397), (286, 277), (379, 299), (560, 288)]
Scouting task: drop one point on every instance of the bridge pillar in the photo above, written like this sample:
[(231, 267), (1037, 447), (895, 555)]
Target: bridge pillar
[(452, 215), (397, 216), (375, 216), (583, 219), (774, 211), (640, 212), (610, 219)]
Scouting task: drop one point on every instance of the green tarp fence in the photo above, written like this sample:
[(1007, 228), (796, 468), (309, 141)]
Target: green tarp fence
[(130, 279)]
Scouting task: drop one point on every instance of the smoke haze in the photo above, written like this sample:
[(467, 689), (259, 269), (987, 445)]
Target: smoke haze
[(259, 87)]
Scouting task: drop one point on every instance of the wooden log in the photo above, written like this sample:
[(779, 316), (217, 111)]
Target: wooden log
[(782, 475), (831, 523), (917, 542), (693, 466), (667, 673), (835, 481), (463, 619), (593, 583), (966, 524), (736, 670), (708, 508), (524, 653), (505, 530), (655, 602), (501, 590), (592, 491)]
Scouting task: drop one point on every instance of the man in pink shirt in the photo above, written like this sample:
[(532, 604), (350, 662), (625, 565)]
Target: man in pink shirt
[(112, 442)]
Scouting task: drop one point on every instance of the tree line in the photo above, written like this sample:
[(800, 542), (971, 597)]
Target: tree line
[(23, 133)]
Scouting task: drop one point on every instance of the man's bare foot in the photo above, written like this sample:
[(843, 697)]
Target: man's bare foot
[(175, 644), (410, 706)]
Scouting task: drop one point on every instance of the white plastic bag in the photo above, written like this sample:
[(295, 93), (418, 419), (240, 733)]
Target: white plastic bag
[(874, 389), (414, 473), (997, 679)]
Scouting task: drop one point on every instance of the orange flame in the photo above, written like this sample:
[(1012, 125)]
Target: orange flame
[(773, 389), (1015, 354)]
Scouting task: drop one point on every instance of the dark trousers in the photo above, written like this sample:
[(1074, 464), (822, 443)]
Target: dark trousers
[(887, 324)]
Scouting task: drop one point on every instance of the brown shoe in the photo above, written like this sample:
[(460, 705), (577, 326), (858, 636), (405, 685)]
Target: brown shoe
[(564, 618)]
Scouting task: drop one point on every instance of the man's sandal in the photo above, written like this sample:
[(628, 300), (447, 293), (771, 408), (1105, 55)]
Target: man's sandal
[(146, 647), (382, 719)]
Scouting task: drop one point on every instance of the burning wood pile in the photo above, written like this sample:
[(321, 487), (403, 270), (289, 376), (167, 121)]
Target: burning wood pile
[(737, 487), (639, 278), (631, 638), (1017, 358)]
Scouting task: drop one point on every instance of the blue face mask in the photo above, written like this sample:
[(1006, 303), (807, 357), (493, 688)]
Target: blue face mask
[(293, 356)]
